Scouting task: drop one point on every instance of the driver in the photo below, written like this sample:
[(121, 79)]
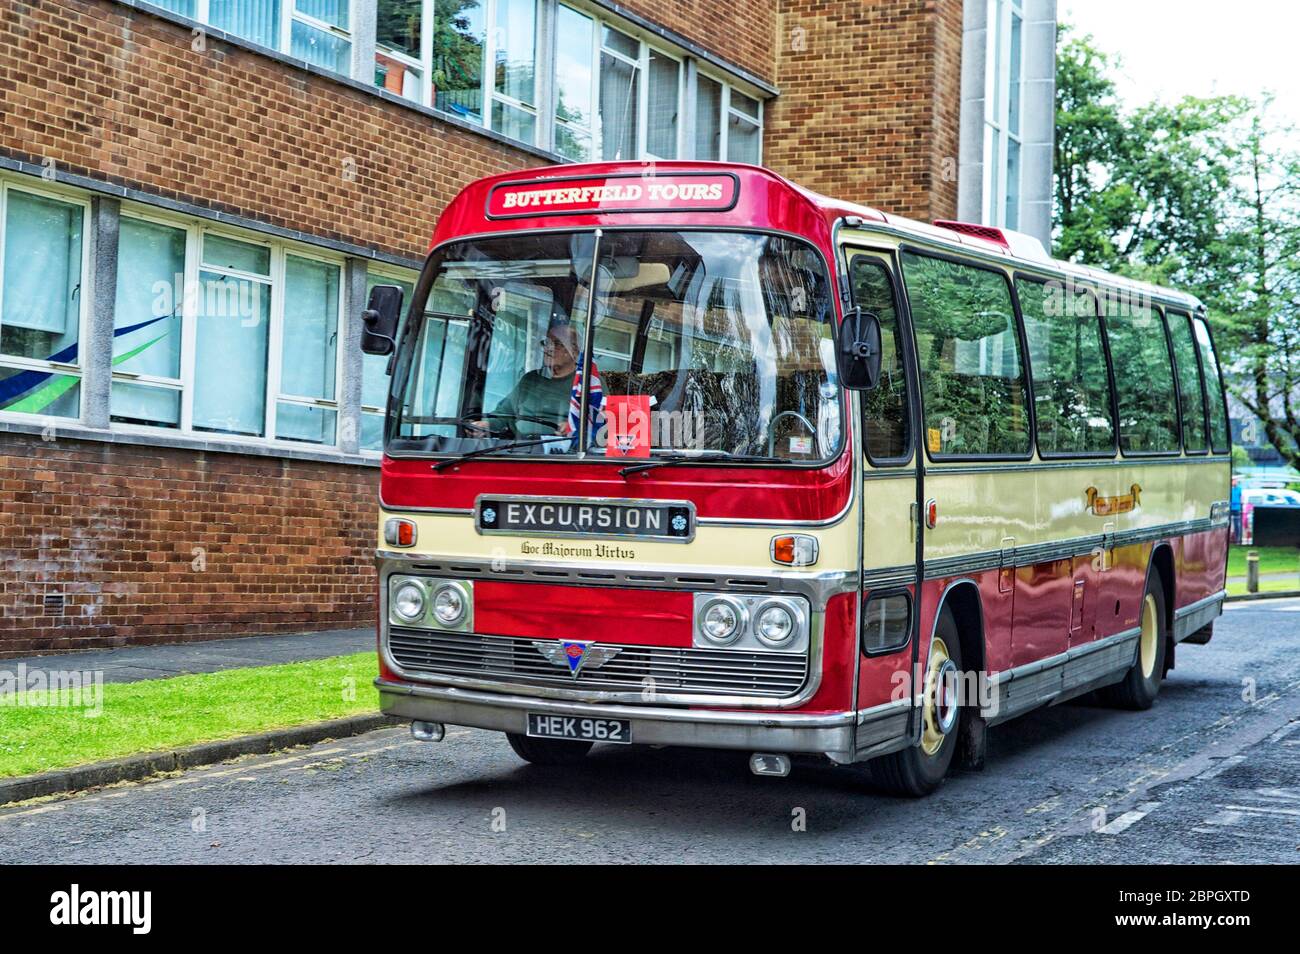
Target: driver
[(539, 403)]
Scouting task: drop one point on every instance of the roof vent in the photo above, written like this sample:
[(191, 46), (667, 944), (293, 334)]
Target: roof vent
[(987, 232)]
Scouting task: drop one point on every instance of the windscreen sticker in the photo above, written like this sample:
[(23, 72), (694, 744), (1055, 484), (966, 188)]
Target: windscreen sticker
[(627, 425)]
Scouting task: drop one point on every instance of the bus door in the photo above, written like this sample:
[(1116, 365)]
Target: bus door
[(889, 487)]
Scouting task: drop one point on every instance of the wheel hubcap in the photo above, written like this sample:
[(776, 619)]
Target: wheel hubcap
[(941, 704), (1150, 636)]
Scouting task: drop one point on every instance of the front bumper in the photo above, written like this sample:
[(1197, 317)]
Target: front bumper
[(833, 735)]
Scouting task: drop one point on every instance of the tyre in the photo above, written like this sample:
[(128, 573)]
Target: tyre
[(1141, 684), (548, 751), (919, 769)]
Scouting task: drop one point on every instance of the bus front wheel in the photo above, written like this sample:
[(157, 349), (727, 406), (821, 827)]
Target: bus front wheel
[(919, 769), (548, 751)]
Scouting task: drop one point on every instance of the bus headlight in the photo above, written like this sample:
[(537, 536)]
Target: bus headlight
[(408, 602), (775, 624), (722, 620), (759, 623), (449, 604)]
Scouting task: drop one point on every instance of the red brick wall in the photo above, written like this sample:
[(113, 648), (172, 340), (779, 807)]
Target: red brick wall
[(115, 93), (861, 115), (151, 544), (740, 33)]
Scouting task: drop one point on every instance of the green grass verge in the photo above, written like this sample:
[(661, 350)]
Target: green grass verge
[(1271, 560), (162, 714), (1238, 588)]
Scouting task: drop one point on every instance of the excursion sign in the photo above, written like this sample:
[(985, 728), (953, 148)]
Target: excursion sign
[(568, 517), (672, 193)]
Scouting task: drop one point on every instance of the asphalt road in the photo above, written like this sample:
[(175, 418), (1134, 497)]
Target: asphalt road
[(1210, 774)]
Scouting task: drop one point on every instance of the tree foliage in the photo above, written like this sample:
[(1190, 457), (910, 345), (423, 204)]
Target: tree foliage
[(1201, 194)]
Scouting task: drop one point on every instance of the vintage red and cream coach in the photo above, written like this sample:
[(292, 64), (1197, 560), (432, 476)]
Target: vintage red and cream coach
[(683, 454)]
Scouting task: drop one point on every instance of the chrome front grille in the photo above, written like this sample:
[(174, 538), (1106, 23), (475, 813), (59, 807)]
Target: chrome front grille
[(518, 660)]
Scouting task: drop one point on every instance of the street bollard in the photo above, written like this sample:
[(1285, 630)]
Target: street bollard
[(1252, 571)]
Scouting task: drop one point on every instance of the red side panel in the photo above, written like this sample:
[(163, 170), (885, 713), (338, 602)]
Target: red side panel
[(604, 614)]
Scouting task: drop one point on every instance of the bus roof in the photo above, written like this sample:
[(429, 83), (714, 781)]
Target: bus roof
[(734, 195)]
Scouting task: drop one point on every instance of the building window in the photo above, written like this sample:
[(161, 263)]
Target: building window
[(220, 334), (41, 303), (307, 409), (318, 31), (399, 47), (728, 124), (1002, 99), (148, 323), (374, 368)]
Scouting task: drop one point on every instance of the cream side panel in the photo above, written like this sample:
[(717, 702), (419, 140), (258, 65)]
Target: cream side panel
[(978, 510), (887, 533), (740, 548)]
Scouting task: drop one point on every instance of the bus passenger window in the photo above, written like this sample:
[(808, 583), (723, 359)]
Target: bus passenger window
[(972, 383), (1191, 397), (1220, 438), (885, 419), (1144, 378), (1067, 366)]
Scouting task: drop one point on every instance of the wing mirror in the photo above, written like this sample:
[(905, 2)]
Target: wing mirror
[(379, 320), (859, 350)]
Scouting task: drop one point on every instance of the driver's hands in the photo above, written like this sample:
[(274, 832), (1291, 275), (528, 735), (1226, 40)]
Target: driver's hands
[(478, 429)]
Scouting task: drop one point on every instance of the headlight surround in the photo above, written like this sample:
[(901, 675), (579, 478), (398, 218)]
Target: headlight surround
[(775, 624), (722, 620), (449, 604), (409, 601)]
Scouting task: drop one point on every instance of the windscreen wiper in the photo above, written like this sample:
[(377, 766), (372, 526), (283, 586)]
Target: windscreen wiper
[(696, 459), (512, 445)]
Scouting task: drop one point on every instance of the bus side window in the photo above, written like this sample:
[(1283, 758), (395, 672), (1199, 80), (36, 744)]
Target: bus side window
[(1220, 438), (1067, 367), (1144, 377), (1190, 394), (968, 351), (885, 417)]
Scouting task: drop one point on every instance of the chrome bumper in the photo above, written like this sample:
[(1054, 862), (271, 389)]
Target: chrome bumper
[(833, 735)]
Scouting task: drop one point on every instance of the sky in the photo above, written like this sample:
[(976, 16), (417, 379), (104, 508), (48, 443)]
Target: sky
[(1173, 48)]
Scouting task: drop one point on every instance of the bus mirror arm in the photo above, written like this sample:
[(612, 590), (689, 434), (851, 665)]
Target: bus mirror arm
[(859, 349), (379, 320)]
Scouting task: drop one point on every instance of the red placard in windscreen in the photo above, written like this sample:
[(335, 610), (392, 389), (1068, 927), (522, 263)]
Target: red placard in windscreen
[(703, 192)]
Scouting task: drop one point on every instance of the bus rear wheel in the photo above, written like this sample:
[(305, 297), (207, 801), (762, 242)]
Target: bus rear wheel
[(919, 769), (1141, 684), (548, 751)]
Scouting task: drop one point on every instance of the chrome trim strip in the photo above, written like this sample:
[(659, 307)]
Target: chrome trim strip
[(1200, 604), (772, 731), (880, 577), (1037, 553), (818, 585)]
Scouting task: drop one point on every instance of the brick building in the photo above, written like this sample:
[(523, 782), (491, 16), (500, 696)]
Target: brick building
[(196, 194)]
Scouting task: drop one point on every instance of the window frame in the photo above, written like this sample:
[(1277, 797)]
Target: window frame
[(996, 124), (57, 368), (1111, 397), (390, 273), (1186, 317), (284, 28), (725, 112), (886, 260), (1202, 318), (870, 596), (1156, 310), (1032, 420), (195, 231)]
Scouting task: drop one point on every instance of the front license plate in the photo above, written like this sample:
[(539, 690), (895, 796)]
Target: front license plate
[(576, 727)]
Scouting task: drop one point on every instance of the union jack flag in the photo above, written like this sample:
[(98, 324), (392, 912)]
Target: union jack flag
[(595, 403)]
